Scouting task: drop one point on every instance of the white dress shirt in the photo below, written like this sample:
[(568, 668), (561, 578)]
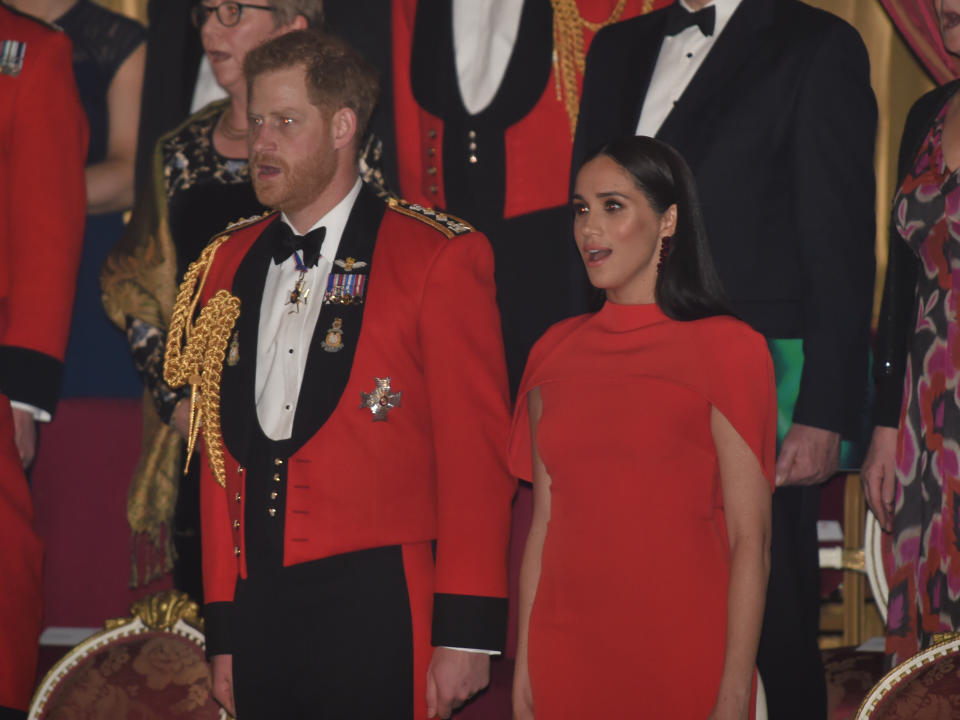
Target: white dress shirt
[(680, 57), (285, 333), (206, 90), (484, 33)]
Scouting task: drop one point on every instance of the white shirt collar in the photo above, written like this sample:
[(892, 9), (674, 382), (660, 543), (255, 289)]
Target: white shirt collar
[(335, 221), (724, 10)]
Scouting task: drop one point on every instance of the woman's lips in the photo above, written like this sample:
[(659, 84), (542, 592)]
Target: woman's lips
[(596, 256)]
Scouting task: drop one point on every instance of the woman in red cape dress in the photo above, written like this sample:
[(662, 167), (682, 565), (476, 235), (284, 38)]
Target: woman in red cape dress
[(648, 430)]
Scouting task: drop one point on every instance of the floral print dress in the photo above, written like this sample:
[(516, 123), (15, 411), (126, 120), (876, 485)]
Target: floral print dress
[(925, 588)]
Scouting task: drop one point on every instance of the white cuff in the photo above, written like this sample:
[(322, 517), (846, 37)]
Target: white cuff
[(474, 650), (38, 414)]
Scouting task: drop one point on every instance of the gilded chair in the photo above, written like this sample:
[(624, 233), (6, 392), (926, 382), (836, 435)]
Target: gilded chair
[(150, 665)]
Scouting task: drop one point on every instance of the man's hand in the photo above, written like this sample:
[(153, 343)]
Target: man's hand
[(222, 666), (180, 418), (454, 676), (25, 435), (808, 456), (879, 474)]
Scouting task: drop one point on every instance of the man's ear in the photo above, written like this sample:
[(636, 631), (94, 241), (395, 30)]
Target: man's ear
[(344, 126)]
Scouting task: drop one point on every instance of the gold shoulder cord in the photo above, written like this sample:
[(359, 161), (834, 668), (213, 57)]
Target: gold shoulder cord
[(569, 57), (195, 354)]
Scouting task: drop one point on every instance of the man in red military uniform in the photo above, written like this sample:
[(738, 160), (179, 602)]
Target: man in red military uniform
[(43, 143), (355, 500), (485, 95)]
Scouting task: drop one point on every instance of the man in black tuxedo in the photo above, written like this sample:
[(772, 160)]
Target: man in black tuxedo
[(770, 103)]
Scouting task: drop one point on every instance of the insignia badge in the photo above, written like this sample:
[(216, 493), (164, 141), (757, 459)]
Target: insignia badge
[(11, 57), (233, 351), (333, 342), (343, 289), (349, 264), (298, 294), (381, 400)]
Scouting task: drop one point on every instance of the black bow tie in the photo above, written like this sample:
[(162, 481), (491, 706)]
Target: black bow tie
[(286, 242), (680, 19)]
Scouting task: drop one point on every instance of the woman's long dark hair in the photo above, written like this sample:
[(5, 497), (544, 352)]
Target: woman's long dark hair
[(688, 286)]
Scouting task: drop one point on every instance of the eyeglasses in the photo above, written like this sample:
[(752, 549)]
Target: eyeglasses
[(227, 13)]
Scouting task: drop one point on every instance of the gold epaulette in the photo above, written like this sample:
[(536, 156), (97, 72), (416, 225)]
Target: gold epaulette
[(244, 222), (449, 225), (196, 350)]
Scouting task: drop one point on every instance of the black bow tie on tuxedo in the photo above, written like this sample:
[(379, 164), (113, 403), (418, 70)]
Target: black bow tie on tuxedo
[(680, 19), (285, 242)]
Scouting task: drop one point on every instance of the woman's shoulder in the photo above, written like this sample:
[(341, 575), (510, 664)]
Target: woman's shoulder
[(108, 37), (725, 338), (543, 348)]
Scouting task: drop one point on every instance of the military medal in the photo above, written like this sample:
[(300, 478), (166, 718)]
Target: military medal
[(345, 289), (381, 400), (11, 57), (299, 293), (333, 342), (233, 351)]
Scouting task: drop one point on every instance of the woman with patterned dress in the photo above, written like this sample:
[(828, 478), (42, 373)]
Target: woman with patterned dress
[(648, 431), (200, 184), (912, 471)]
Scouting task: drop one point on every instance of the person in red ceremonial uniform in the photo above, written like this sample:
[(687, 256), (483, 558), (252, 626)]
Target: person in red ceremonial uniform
[(352, 393), (486, 95), (43, 144)]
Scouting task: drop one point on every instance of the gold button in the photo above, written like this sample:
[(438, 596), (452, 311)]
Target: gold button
[(273, 495), (276, 477), (473, 159), (278, 462), (236, 550), (240, 469), (273, 512), (472, 134), (237, 497), (236, 524), (431, 152), (433, 189), (431, 170)]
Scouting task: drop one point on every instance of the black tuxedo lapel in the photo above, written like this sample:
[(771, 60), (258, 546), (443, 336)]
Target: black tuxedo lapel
[(238, 407), (326, 373), (690, 118)]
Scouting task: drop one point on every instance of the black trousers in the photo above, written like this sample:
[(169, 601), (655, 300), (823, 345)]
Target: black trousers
[(330, 639), (789, 658)]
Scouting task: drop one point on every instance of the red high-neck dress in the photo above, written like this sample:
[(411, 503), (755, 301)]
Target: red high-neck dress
[(630, 613)]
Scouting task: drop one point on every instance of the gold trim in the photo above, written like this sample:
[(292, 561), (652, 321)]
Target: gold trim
[(893, 679), (569, 53), (450, 225), (195, 354)]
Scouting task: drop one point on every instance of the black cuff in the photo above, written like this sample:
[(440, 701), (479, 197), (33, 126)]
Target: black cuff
[(217, 627), (30, 377), (469, 621), (11, 714)]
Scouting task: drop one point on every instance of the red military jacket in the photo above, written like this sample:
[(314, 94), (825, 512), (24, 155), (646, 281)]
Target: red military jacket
[(428, 465), (43, 143)]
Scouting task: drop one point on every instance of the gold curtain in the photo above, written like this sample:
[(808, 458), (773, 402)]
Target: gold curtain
[(898, 80), (137, 9)]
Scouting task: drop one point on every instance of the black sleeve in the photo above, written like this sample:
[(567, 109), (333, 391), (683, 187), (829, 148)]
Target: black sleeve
[(836, 229)]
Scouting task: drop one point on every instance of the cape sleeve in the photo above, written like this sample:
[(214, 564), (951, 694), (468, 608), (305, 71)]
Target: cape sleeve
[(519, 452), (743, 388)]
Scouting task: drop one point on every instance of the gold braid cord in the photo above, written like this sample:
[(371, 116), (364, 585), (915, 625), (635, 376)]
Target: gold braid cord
[(569, 57), (195, 354)]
